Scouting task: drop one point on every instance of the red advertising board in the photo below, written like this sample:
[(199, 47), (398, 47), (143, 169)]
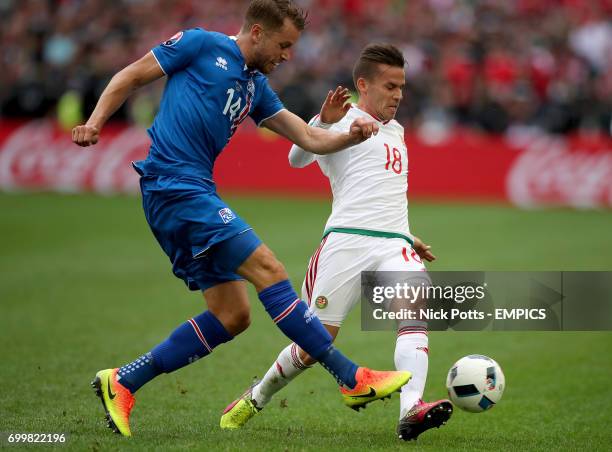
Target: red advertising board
[(528, 170)]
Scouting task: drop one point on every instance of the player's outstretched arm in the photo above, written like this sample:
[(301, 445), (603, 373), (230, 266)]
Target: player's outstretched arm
[(336, 105), (123, 83), (319, 141)]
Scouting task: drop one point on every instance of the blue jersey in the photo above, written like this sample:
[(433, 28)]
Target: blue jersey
[(209, 92)]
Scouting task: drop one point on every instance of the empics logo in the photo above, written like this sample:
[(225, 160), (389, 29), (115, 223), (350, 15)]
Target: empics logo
[(226, 215), (222, 63)]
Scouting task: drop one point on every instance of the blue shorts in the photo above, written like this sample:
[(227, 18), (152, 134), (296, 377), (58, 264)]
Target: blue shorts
[(204, 239)]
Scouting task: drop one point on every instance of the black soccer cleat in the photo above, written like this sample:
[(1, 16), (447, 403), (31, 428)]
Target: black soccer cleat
[(422, 417)]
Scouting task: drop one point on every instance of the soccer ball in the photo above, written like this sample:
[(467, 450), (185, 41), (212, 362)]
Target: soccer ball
[(475, 383)]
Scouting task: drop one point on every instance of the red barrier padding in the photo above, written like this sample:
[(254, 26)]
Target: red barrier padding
[(527, 170)]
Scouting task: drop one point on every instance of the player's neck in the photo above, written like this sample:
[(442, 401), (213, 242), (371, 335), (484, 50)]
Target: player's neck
[(363, 107), (244, 45)]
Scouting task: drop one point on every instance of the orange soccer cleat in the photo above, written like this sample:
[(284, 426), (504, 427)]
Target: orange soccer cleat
[(117, 400), (373, 385)]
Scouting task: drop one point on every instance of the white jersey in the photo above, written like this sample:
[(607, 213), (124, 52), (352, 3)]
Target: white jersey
[(369, 181)]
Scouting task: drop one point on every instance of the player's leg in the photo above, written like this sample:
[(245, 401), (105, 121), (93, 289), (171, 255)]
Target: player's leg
[(412, 347), (229, 303), (228, 315), (190, 341), (292, 316), (177, 204), (214, 239), (332, 288), (359, 385), (193, 339), (290, 363), (322, 277), (292, 360), (287, 366), (332, 285), (185, 215)]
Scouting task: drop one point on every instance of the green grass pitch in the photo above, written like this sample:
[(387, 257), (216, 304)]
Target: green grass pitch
[(84, 286)]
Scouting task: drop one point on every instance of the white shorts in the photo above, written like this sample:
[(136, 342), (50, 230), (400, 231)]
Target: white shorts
[(332, 286)]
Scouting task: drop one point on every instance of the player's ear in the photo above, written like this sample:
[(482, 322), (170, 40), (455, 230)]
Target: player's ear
[(362, 85), (257, 33)]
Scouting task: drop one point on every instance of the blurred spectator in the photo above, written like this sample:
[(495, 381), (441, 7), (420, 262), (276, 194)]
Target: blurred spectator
[(490, 64)]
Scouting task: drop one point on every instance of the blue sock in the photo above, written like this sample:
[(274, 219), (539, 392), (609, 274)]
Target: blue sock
[(294, 319), (191, 341)]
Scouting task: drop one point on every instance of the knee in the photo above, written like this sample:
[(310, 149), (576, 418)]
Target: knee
[(242, 320), (238, 321), (235, 321), (262, 269)]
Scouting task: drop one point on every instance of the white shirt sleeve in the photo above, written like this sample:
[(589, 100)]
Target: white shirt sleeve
[(298, 157)]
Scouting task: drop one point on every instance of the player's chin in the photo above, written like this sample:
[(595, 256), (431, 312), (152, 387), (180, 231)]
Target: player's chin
[(390, 113), (269, 68)]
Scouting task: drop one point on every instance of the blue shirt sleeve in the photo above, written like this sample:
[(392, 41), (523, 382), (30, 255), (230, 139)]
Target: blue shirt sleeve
[(268, 104), (177, 52)]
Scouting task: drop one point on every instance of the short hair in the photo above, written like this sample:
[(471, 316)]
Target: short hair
[(272, 14), (374, 54)]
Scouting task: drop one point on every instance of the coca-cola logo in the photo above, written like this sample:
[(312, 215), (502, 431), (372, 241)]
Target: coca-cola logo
[(548, 171), (37, 155)]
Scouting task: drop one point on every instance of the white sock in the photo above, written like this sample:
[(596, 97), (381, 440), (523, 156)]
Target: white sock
[(288, 365), (412, 354)]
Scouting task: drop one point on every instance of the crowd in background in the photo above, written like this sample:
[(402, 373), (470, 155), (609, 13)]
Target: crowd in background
[(494, 65)]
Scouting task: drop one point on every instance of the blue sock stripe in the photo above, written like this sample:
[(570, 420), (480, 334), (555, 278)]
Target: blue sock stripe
[(287, 311), (199, 334)]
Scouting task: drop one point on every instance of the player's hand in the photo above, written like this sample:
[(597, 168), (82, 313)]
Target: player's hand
[(85, 135), (335, 105), (362, 129), (423, 250)]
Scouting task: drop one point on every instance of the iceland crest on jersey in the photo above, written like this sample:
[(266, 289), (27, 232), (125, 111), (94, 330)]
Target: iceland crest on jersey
[(226, 215)]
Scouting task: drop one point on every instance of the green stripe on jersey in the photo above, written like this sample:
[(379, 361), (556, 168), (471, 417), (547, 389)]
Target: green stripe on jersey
[(369, 233)]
